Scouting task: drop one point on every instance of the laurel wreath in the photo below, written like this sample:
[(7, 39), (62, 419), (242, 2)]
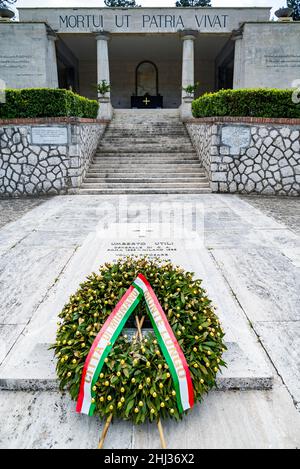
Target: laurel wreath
[(135, 383)]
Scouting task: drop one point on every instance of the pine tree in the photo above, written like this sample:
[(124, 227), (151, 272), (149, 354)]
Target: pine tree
[(10, 2), (295, 4), (121, 3), (193, 3)]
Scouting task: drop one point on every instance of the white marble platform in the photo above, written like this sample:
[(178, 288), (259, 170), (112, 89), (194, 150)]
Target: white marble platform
[(226, 420), (254, 259), (30, 365)]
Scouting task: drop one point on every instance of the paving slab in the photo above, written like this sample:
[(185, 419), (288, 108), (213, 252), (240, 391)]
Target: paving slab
[(252, 215), (8, 336), (54, 239), (11, 209), (265, 281), (230, 419), (285, 210), (282, 341), (46, 420), (15, 231), (25, 276)]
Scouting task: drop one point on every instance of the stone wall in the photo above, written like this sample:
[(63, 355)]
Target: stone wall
[(249, 155), (27, 168)]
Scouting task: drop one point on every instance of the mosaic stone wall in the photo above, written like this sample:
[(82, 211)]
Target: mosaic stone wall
[(28, 169), (249, 158)]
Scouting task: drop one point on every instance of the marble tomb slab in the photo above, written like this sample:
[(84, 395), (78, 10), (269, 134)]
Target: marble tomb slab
[(30, 364)]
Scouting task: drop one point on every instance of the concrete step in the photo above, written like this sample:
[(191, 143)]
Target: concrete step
[(94, 173), (146, 149), (135, 167), (145, 180), (145, 124), (153, 139), (142, 160), (144, 185), (160, 130), (158, 138), (146, 131), (141, 116), (145, 152), (146, 156), (146, 139), (133, 190)]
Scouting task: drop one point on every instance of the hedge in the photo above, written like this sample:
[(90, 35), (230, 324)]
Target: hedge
[(45, 102), (247, 103)]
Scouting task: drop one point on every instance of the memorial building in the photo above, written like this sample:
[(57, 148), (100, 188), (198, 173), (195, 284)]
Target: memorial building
[(143, 65), (148, 54)]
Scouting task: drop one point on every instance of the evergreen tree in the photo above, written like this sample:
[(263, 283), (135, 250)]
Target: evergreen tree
[(295, 4), (5, 3), (121, 3), (193, 3)]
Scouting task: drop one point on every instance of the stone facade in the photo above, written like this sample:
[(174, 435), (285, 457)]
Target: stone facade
[(267, 55), (28, 59), (31, 169), (144, 20), (261, 158)]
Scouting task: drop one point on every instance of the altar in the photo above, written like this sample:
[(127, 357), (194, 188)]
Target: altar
[(147, 102)]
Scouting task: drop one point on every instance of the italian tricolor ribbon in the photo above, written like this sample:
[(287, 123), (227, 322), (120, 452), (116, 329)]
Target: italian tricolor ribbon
[(110, 332)]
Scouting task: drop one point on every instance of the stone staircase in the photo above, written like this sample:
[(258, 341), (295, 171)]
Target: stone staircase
[(145, 152)]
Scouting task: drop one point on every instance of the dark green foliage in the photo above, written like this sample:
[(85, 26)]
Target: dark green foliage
[(247, 103), (45, 102), (193, 3), (295, 4)]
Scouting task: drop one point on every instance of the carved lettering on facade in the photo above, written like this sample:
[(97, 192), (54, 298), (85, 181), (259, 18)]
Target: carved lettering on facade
[(150, 22), (81, 21), (211, 21)]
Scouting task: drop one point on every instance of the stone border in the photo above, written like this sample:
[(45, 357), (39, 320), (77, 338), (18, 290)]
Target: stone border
[(52, 120), (244, 120)]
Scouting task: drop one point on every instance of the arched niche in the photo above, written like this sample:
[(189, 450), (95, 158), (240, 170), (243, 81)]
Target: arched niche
[(146, 79)]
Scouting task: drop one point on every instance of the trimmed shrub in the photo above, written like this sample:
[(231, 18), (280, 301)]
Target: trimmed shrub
[(45, 102), (260, 102)]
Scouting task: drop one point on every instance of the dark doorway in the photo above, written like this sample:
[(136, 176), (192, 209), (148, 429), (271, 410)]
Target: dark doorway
[(224, 67)]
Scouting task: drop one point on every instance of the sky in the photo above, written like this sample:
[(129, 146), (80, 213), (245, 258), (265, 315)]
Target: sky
[(149, 3)]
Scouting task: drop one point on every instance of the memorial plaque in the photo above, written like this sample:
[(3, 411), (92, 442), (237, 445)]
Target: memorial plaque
[(49, 135), (236, 137)]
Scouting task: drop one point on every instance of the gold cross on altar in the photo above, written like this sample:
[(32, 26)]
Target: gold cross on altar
[(146, 101)]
